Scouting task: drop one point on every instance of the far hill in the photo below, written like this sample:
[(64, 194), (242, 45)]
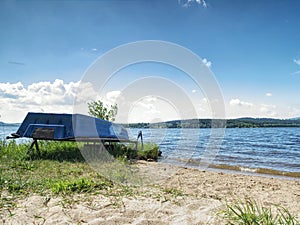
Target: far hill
[(230, 123), (296, 118), (9, 124)]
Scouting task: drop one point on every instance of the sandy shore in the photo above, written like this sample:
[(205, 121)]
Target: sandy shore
[(172, 195)]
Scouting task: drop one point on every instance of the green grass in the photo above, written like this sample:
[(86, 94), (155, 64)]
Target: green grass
[(148, 151), (60, 169), (49, 150), (77, 185), (249, 212)]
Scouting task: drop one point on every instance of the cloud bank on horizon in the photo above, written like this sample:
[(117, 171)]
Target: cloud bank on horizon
[(58, 97), (16, 99)]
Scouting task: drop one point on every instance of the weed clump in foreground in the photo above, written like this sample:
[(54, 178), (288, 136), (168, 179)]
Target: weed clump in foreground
[(148, 151), (82, 185), (250, 212)]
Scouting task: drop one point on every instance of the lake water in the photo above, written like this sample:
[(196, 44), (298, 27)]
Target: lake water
[(273, 151), (6, 130)]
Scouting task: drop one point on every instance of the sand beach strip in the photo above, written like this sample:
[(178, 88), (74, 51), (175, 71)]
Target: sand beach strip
[(172, 195)]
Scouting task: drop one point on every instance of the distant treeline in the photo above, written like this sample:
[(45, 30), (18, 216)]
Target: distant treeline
[(231, 123), (208, 123), (9, 124)]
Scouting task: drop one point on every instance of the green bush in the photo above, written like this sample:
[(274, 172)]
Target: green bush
[(149, 151), (122, 151)]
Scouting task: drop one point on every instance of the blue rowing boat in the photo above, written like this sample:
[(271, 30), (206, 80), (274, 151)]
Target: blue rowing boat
[(69, 127)]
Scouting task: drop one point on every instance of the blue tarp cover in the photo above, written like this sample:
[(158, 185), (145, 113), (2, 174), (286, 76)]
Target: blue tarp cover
[(53, 126)]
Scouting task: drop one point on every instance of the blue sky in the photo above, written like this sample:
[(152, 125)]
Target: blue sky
[(253, 48)]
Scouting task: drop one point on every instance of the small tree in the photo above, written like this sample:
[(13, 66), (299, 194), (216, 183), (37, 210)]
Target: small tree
[(99, 110)]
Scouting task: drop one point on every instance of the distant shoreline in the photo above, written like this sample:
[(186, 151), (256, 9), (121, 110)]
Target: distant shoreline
[(9, 124), (218, 123), (246, 122)]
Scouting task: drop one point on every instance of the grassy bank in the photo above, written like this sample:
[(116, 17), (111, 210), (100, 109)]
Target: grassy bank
[(59, 169)]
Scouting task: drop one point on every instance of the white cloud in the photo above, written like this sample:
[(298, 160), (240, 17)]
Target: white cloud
[(151, 99), (238, 102), (151, 109), (205, 100), (112, 96), (94, 49), (293, 112), (204, 109), (297, 61), (148, 103), (188, 3), (269, 94), (206, 62), (202, 2), (268, 110), (265, 107), (144, 110), (256, 110), (16, 99)]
